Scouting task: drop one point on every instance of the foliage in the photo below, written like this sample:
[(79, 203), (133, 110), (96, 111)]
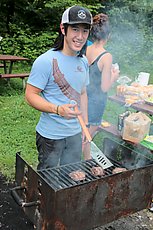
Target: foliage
[(33, 25), (23, 43), (131, 41), (38, 15)]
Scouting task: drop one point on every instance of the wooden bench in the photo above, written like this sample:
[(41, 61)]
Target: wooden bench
[(112, 129), (1, 65), (16, 75)]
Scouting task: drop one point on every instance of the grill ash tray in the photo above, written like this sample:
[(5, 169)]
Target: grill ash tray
[(125, 156)]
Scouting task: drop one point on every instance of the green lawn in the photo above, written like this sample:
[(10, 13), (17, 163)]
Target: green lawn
[(17, 130)]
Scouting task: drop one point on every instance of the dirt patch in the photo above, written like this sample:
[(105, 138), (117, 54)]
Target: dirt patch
[(11, 215), (13, 218)]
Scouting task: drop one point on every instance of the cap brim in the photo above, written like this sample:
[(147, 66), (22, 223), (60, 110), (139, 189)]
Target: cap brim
[(78, 22)]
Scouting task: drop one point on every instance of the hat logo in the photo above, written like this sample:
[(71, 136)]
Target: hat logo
[(81, 14)]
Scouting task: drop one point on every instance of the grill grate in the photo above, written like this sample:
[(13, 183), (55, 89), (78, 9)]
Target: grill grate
[(58, 178)]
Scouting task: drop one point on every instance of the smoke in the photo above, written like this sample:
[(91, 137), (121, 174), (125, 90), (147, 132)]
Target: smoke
[(130, 41), (125, 156)]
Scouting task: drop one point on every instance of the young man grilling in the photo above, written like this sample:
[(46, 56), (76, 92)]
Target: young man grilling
[(57, 77)]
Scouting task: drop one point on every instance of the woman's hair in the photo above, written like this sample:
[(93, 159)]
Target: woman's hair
[(100, 29)]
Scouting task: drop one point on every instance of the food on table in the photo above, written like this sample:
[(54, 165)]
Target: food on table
[(118, 170), (134, 93), (135, 84), (131, 99), (135, 90), (77, 175), (105, 124), (121, 89), (149, 100), (149, 138), (97, 171)]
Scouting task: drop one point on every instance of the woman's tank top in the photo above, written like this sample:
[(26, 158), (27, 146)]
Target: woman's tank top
[(94, 87)]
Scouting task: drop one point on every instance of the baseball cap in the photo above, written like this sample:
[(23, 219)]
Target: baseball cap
[(77, 15)]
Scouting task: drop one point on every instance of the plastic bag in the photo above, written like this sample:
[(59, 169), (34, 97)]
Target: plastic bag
[(123, 80), (136, 127)]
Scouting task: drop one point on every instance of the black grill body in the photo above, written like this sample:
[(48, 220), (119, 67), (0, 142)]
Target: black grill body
[(53, 201)]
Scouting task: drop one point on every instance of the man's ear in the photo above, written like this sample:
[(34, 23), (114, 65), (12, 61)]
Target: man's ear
[(62, 29)]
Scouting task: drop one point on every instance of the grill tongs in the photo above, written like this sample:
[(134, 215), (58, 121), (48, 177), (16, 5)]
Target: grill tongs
[(96, 153)]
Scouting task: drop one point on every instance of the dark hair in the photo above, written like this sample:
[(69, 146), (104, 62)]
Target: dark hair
[(59, 41), (100, 29)]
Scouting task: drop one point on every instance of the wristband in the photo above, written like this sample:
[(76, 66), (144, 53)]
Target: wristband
[(57, 110)]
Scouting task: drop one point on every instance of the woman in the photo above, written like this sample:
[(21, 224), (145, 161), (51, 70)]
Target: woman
[(102, 75)]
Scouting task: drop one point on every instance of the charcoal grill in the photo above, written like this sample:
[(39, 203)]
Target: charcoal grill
[(54, 201)]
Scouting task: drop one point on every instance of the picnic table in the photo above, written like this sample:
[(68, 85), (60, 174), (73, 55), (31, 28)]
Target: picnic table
[(8, 61), (146, 108), (113, 129)]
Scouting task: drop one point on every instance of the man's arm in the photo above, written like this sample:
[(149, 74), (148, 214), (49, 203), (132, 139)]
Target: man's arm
[(32, 96)]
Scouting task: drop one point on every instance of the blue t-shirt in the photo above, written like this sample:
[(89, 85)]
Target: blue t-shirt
[(61, 79)]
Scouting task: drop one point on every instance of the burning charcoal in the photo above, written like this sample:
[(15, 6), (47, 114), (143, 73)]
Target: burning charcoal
[(118, 170), (97, 171), (77, 175)]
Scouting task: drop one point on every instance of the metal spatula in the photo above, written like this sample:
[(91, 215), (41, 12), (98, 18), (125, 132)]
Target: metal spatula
[(96, 153)]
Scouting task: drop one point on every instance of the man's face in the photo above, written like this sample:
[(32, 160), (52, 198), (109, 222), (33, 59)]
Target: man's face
[(75, 38)]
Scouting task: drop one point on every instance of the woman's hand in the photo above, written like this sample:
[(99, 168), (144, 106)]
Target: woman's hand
[(115, 73)]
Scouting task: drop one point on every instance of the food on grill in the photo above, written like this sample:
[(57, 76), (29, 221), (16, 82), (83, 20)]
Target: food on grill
[(118, 170), (77, 175), (97, 171)]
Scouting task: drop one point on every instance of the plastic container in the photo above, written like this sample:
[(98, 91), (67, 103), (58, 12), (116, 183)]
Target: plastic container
[(143, 78)]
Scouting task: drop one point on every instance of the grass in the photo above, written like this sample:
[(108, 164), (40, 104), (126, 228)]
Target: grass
[(17, 130)]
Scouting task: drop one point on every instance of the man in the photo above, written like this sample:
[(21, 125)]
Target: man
[(57, 78)]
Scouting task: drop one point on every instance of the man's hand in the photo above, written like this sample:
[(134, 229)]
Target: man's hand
[(67, 111)]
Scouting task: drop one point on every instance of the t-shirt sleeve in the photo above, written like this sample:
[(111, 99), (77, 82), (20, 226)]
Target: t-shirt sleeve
[(40, 72)]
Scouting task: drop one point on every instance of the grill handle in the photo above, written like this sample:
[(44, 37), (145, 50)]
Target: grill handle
[(19, 200)]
